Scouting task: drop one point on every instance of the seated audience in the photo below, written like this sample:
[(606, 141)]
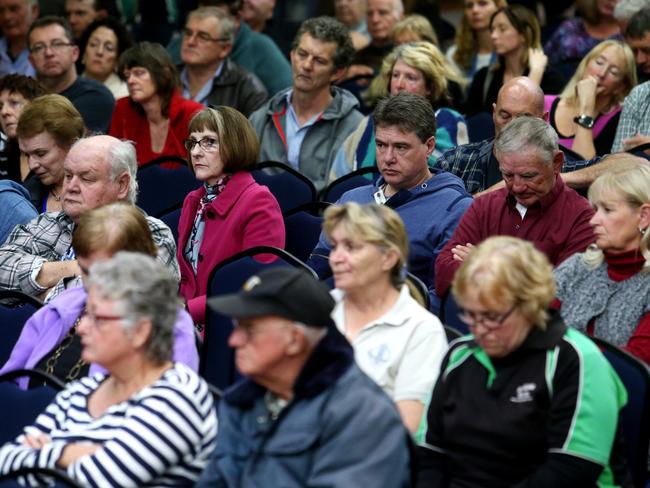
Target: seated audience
[(585, 115), (516, 37), (605, 291), (208, 76), (38, 258), (154, 115), (535, 204), (634, 125), (418, 68), (102, 44), (405, 125), (305, 415), (524, 400), (414, 28), (53, 55), (396, 342), (147, 420), (637, 36), (305, 125), (16, 207), (15, 20), (47, 128), (231, 212), (82, 13), (352, 14), (473, 49), (575, 37), (50, 339), (15, 92)]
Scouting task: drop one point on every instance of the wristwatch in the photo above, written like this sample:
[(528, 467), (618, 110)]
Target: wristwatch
[(584, 121)]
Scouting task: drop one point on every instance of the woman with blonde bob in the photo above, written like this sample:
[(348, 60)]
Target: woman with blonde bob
[(605, 291), (397, 342), (518, 401), (230, 212), (585, 115), (414, 28), (419, 68)]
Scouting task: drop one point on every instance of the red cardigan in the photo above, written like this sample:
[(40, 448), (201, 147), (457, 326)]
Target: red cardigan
[(128, 123), (245, 215)]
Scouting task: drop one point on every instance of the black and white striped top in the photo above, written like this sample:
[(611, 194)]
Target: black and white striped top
[(161, 436)]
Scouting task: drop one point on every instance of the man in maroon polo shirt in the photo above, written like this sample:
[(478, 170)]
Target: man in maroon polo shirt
[(535, 205)]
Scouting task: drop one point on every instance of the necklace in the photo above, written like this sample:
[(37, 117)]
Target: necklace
[(76, 368), (55, 196)]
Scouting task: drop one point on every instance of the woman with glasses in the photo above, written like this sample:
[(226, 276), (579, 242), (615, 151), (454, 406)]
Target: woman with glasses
[(145, 420), (154, 115), (585, 115), (101, 45), (230, 212), (605, 291), (396, 341), (524, 400), (50, 339)]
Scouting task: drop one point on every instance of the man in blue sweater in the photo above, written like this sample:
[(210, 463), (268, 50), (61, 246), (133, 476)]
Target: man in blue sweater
[(429, 201)]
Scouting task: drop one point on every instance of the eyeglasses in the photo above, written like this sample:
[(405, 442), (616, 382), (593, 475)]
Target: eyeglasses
[(99, 320), (206, 143), (54, 46), (489, 320), (203, 36)]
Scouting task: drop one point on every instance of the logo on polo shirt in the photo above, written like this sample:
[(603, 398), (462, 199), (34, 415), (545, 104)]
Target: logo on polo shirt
[(524, 393), (380, 354)]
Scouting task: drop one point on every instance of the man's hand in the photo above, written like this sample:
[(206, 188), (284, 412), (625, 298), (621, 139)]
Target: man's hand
[(357, 70), (460, 252), (635, 141), (74, 451)]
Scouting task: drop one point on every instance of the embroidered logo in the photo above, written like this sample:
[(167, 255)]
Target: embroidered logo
[(380, 354), (524, 393), (251, 283)]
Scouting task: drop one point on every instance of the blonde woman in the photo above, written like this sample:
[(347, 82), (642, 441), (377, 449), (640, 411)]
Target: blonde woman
[(419, 68), (414, 28), (473, 47), (397, 342), (585, 115), (605, 291), (519, 400)]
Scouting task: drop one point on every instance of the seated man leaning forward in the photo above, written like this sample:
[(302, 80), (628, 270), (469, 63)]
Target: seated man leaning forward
[(535, 205), (431, 202), (306, 415), (38, 258)]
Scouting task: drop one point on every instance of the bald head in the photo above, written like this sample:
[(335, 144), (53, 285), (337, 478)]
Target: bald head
[(519, 96)]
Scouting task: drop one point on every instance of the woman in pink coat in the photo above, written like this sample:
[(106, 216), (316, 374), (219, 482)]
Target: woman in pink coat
[(230, 212)]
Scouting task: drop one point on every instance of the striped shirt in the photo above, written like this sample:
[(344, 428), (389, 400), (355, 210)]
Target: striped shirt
[(48, 238), (161, 436)]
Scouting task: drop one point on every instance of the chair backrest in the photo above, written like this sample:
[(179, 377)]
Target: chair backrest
[(289, 187), (162, 188), (302, 227), (19, 408), (480, 127), (448, 314), (360, 177), (171, 218), (635, 416), (451, 333), (217, 359), (418, 289), (61, 478), (13, 318)]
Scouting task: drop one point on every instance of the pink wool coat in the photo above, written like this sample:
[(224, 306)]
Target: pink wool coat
[(245, 215)]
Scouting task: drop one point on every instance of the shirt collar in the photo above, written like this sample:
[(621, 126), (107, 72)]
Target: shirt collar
[(204, 92)]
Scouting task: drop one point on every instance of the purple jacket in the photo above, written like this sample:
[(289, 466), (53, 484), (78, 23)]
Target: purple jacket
[(50, 324)]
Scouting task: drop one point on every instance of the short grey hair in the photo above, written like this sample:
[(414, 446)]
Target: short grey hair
[(526, 133), (226, 22), (328, 29), (142, 288), (625, 9), (122, 158)]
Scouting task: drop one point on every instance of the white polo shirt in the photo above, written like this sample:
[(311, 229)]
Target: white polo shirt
[(402, 350)]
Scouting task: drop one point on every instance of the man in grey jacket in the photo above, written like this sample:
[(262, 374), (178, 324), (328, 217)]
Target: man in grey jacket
[(305, 415), (305, 125)]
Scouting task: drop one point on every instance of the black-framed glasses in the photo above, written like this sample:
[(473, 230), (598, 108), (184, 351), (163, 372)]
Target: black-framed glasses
[(489, 320), (54, 46), (205, 143), (203, 36)]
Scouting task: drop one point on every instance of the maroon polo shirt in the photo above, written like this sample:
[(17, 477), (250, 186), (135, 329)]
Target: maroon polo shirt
[(558, 225)]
